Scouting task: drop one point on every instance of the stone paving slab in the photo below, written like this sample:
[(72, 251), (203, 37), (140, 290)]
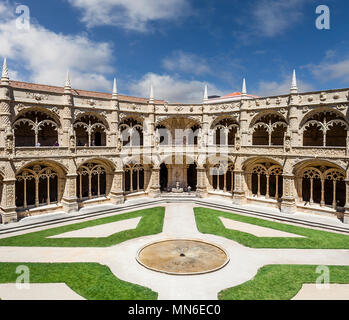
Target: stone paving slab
[(311, 291), (255, 230), (38, 291), (101, 231)]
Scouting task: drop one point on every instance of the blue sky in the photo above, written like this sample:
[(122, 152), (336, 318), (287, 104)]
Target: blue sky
[(178, 45)]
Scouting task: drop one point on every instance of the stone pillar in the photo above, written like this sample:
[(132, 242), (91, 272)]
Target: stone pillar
[(293, 120), (70, 200), (117, 193), (201, 189), (8, 203), (154, 191), (288, 200), (346, 207), (244, 126), (239, 192)]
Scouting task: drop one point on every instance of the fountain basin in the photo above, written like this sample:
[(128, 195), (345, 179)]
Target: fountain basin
[(182, 257)]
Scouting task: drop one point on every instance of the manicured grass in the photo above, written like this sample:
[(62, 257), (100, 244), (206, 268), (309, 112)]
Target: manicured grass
[(151, 223), (208, 221), (90, 280), (281, 282)]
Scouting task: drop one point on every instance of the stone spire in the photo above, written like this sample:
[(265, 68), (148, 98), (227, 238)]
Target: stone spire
[(206, 94), (294, 88), (151, 97), (244, 90), (115, 90), (5, 79), (67, 86)]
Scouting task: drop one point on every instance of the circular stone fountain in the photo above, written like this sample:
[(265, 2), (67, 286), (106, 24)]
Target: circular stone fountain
[(182, 257)]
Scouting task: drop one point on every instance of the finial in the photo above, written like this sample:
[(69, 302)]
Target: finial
[(151, 97), (67, 87), (4, 76), (206, 94), (115, 90), (294, 88), (244, 90)]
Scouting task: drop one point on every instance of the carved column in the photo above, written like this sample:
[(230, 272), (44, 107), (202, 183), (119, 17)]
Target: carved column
[(201, 189), (117, 193), (346, 207), (293, 120), (155, 183), (288, 200), (238, 193), (8, 203), (70, 200)]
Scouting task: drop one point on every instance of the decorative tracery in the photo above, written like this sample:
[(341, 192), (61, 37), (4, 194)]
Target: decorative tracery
[(325, 129), (91, 181), (35, 129), (133, 178), (222, 176), (131, 132), (225, 132), (36, 185), (269, 130), (266, 180), (90, 131), (322, 185)]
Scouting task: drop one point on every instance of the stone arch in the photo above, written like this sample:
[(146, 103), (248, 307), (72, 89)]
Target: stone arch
[(317, 110), (95, 114), (217, 119), (320, 182), (268, 128), (39, 183), (91, 129), (42, 109), (264, 113), (131, 131), (94, 178), (264, 177), (325, 127), (36, 127)]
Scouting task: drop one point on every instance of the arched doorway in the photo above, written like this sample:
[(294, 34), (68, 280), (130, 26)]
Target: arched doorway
[(163, 177), (192, 176)]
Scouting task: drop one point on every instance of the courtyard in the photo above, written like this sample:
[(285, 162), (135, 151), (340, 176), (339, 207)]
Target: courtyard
[(94, 257)]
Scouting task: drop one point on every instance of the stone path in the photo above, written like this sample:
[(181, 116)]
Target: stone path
[(101, 231), (257, 230), (179, 223)]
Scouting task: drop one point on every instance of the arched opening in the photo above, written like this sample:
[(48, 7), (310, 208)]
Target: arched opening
[(269, 130), (265, 180), (35, 128), (225, 132), (325, 129), (192, 176), (131, 132), (134, 178), (90, 132), (323, 185), (163, 177), (91, 181), (221, 176), (36, 186)]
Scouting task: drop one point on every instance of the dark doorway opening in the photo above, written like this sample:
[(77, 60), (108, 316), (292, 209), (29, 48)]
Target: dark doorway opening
[(163, 177), (192, 177)]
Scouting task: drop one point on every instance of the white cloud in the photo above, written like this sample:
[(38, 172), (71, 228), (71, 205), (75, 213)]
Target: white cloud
[(331, 70), (271, 18), (186, 63), (46, 56), (130, 14), (172, 89), (273, 88)]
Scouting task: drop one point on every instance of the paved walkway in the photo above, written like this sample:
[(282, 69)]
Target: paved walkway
[(179, 223)]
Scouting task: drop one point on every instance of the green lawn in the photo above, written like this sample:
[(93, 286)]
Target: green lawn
[(151, 223), (90, 280), (281, 282), (208, 221)]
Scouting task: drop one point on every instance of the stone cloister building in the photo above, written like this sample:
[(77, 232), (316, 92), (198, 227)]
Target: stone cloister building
[(63, 149)]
